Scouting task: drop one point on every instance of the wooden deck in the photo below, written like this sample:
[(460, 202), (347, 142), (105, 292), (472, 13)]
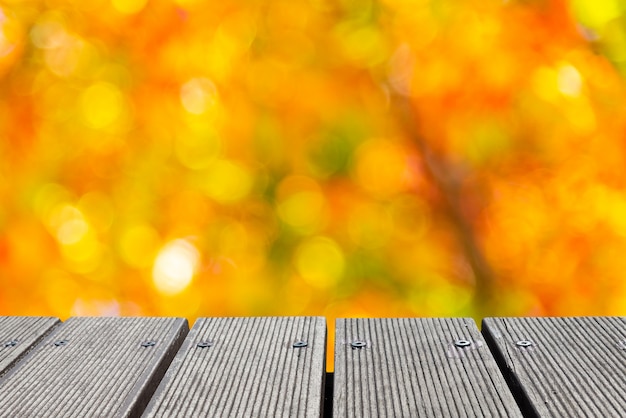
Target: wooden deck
[(275, 366)]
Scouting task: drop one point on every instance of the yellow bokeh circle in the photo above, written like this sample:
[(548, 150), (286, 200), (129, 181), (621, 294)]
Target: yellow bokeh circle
[(129, 7), (102, 105), (320, 262)]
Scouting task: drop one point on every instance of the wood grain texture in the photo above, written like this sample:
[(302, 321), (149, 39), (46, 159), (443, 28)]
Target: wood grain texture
[(412, 368), (563, 367), (92, 367), (248, 367), (19, 334)]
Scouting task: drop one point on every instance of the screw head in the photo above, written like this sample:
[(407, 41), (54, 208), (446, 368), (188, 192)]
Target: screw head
[(358, 344), (204, 344), (148, 343), (61, 343), (11, 343), (524, 343), (462, 343), (300, 344)]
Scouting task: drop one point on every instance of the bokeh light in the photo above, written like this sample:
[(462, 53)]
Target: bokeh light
[(175, 266), (322, 157)]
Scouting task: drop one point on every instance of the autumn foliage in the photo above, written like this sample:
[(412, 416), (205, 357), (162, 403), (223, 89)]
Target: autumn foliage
[(337, 158)]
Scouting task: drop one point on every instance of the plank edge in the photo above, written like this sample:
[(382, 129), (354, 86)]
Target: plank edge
[(28, 352), (517, 389)]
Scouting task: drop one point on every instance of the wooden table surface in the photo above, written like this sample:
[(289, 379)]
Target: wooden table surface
[(275, 366)]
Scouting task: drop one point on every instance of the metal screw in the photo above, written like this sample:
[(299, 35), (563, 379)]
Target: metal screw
[(61, 343), (358, 344), (462, 343), (300, 344), (11, 343), (148, 343), (524, 343), (204, 344)]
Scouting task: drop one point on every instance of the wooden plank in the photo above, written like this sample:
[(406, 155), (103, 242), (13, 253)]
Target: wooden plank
[(417, 367), (253, 367), (93, 367), (18, 335), (563, 367)]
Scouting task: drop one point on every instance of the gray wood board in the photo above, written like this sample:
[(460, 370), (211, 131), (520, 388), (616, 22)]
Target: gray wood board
[(247, 367), (18, 335), (411, 367), (93, 367), (563, 367)]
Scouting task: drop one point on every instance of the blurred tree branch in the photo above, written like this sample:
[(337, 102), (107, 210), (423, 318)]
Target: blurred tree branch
[(438, 172)]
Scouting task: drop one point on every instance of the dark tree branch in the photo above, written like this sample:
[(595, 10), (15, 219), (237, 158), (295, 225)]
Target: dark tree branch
[(438, 172)]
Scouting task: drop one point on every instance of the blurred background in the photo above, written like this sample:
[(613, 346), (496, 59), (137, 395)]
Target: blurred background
[(313, 157)]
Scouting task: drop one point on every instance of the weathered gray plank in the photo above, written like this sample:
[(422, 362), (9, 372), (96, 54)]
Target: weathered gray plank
[(411, 367), (92, 367), (563, 367), (18, 334), (252, 367)]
